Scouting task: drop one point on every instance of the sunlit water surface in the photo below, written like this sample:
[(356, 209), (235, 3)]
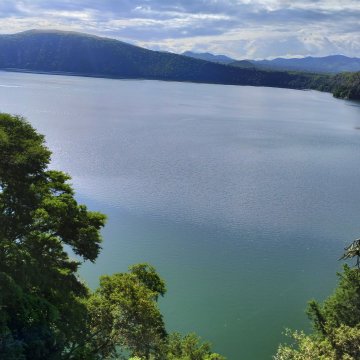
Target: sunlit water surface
[(243, 198)]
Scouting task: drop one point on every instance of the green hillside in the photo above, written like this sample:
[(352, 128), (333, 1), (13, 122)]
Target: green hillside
[(346, 85), (81, 54), (69, 52)]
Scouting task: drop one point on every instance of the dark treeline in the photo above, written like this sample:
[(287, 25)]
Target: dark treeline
[(81, 54), (68, 52), (346, 85)]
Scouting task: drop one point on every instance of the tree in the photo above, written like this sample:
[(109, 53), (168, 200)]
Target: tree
[(189, 347), (336, 322), (353, 250), (41, 297), (125, 316), (148, 276), (46, 311)]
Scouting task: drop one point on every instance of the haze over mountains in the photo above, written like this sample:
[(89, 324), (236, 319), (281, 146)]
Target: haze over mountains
[(209, 57), (329, 64), (326, 64), (222, 59), (82, 54), (87, 55)]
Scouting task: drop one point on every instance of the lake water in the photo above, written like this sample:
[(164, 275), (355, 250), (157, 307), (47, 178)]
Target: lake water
[(243, 198)]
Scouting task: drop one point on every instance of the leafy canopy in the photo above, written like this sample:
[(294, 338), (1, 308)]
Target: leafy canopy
[(336, 322), (46, 311), (42, 312), (125, 316)]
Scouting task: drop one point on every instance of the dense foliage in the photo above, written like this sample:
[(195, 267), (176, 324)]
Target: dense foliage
[(336, 322), (46, 311), (40, 298), (346, 86)]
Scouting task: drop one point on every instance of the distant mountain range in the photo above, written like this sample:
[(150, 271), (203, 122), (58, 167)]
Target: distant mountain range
[(223, 59), (82, 54), (326, 64), (329, 64)]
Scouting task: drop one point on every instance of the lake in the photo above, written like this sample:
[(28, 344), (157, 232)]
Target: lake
[(243, 198)]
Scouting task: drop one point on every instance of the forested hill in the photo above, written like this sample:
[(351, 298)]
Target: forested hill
[(327, 64), (76, 53), (223, 59), (82, 54), (346, 85)]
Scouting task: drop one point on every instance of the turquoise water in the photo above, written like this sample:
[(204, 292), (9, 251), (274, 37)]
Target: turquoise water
[(242, 197)]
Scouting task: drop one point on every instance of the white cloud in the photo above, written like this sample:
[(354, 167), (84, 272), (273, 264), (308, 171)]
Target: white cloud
[(239, 28)]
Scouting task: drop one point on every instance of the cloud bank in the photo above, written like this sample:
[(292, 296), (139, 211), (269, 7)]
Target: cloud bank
[(242, 29)]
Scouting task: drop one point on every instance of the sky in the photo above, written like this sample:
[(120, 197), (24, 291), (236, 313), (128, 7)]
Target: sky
[(242, 29)]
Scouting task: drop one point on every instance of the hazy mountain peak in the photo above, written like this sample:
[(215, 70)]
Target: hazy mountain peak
[(331, 64), (209, 57)]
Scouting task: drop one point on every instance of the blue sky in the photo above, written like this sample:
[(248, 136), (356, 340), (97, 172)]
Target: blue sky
[(238, 28)]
